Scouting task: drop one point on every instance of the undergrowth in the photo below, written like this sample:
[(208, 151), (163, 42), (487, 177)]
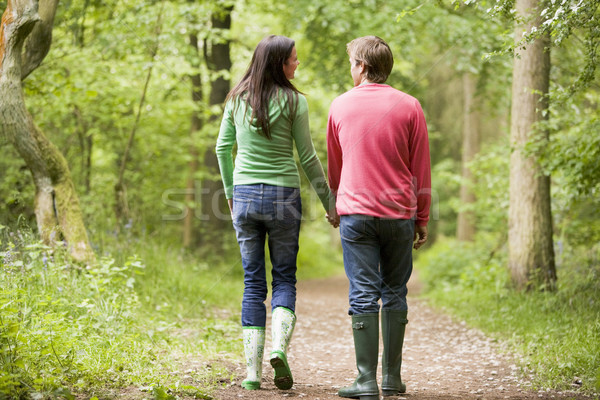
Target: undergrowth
[(65, 330), (555, 334)]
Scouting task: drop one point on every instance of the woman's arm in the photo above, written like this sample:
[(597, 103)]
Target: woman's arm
[(224, 149), (308, 156)]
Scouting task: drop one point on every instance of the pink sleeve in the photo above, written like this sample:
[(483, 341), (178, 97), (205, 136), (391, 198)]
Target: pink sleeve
[(420, 165), (334, 156)]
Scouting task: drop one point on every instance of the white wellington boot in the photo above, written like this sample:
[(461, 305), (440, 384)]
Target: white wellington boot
[(283, 321), (254, 347)]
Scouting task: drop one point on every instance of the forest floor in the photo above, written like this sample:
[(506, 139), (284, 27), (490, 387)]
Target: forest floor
[(442, 358)]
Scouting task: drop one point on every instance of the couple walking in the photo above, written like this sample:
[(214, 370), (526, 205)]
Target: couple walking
[(378, 194)]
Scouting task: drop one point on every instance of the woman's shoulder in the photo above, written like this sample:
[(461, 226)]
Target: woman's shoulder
[(285, 93), (296, 99), (302, 102)]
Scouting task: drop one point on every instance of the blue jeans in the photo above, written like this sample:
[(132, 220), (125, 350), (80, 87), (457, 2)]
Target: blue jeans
[(261, 211), (377, 260)]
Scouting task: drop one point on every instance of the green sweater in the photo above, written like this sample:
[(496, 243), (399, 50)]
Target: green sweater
[(260, 160)]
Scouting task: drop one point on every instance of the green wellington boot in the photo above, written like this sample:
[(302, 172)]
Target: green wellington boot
[(254, 347), (283, 321), (365, 329), (393, 324)]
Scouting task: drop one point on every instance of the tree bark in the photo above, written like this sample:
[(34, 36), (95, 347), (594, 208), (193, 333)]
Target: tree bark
[(195, 126), (531, 251), (214, 205), (37, 44), (57, 209), (465, 229)]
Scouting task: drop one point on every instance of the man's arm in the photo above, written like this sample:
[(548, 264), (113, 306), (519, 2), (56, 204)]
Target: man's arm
[(421, 165), (334, 155)]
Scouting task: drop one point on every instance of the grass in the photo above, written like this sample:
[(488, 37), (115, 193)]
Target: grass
[(149, 317), (555, 334)]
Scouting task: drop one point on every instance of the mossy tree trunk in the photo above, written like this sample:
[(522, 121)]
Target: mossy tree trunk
[(217, 53), (195, 126), (531, 251), (25, 37)]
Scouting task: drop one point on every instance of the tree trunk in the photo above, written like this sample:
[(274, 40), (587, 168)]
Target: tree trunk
[(57, 208), (465, 229), (196, 125), (38, 42), (214, 205), (531, 252)]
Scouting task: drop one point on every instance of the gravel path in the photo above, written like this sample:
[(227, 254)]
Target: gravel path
[(442, 359)]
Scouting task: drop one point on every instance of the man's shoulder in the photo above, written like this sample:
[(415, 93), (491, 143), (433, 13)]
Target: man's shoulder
[(401, 95), (342, 96)]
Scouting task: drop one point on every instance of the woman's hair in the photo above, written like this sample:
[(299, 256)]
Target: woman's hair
[(375, 53), (264, 80)]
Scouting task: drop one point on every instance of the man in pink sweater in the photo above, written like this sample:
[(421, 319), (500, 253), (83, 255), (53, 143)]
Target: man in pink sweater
[(379, 171)]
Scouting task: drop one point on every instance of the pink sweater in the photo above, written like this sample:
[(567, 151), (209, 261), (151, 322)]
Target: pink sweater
[(378, 154)]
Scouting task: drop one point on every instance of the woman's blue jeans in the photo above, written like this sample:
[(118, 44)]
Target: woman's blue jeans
[(260, 212), (377, 260)]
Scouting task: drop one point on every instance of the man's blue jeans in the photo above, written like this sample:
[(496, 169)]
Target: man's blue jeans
[(377, 260), (261, 211)]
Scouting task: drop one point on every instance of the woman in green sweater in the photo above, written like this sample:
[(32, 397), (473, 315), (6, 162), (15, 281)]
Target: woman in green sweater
[(267, 117)]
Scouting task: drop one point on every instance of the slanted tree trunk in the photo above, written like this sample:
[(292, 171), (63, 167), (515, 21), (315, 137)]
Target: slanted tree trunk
[(465, 229), (531, 252), (57, 209), (214, 206), (195, 126)]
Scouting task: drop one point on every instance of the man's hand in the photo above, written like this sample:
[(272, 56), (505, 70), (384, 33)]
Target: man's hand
[(333, 218), (230, 203), (420, 236)]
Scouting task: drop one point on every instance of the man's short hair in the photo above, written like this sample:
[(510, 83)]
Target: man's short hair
[(375, 53)]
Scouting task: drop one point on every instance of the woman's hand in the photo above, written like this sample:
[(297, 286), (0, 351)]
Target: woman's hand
[(333, 218)]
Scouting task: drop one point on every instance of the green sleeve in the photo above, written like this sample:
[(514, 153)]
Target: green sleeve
[(224, 149), (308, 156)]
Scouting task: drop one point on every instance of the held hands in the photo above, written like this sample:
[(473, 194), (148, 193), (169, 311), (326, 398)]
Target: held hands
[(333, 218), (420, 236)]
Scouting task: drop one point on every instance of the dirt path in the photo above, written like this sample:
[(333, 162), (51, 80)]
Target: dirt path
[(442, 359)]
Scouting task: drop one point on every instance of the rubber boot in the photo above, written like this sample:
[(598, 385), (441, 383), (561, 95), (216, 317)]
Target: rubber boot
[(393, 324), (254, 347), (283, 321), (365, 329)]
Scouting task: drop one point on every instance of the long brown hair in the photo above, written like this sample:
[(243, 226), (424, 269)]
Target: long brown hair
[(265, 80)]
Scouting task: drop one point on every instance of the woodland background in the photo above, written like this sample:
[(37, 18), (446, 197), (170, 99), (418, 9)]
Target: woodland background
[(131, 94)]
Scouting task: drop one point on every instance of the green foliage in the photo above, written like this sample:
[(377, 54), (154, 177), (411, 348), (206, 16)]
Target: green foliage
[(573, 150), (16, 189), (554, 335), (320, 253), (66, 325), (446, 185), (65, 330), (561, 21), (490, 170), (475, 266)]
